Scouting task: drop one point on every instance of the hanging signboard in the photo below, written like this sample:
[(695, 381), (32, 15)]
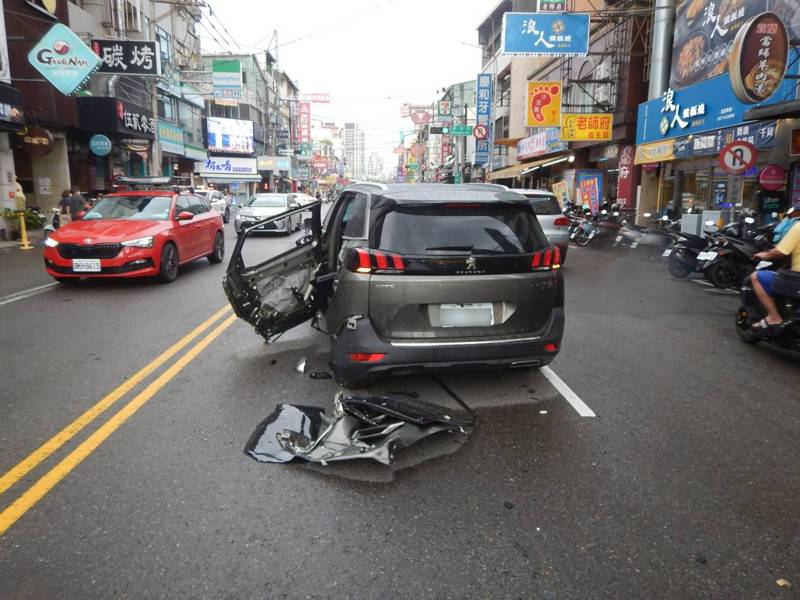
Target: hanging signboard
[(544, 104), (229, 135), (100, 145), (170, 138), (537, 34), (124, 57), (305, 121), (772, 177), (557, 6), (226, 78), (37, 141), (581, 127), (483, 116), (444, 108), (626, 177), (63, 59), (759, 58), (421, 117)]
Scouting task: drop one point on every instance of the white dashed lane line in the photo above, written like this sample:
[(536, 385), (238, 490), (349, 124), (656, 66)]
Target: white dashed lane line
[(26, 293)]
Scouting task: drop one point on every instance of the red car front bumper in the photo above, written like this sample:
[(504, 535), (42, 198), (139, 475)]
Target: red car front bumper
[(127, 262)]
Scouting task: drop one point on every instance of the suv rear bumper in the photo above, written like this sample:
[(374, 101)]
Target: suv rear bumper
[(412, 356)]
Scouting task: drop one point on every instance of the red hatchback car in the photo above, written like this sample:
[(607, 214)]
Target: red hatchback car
[(136, 234)]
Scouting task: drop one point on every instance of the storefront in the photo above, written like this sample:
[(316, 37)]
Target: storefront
[(682, 138), (543, 157), (173, 163), (272, 170), (131, 130), (236, 175), (12, 121)]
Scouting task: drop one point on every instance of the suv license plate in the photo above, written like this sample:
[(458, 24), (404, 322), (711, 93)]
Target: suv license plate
[(479, 314), (86, 265)]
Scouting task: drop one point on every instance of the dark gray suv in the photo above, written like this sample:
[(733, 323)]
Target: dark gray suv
[(408, 278)]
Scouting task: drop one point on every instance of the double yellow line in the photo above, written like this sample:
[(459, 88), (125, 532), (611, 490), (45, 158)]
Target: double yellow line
[(49, 480)]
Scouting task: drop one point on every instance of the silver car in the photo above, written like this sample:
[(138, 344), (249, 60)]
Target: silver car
[(260, 206), (409, 278), (550, 216)]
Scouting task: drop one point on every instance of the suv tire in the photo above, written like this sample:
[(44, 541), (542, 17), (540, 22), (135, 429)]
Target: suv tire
[(168, 270)]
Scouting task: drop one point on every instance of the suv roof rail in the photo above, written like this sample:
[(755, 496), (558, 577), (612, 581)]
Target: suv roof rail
[(483, 186)]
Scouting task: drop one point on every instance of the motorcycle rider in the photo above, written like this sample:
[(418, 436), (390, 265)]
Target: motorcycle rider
[(762, 281)]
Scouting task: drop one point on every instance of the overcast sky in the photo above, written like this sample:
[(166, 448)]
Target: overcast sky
[(371, 56)]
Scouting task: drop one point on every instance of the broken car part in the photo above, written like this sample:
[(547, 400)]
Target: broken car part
[(361, 427)]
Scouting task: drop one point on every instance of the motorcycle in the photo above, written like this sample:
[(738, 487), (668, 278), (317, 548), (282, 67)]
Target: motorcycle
[(787, 288), (728, 259), (683, 255), (658, 237)]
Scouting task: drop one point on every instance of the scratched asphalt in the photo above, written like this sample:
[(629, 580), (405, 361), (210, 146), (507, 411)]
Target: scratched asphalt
[(685, 485)]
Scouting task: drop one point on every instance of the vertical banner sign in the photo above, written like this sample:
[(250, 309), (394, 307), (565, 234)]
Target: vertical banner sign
[(305, 122), (626, 181), (5, 71), (538, 34), (294, 119), (483, 116), (562, 192), (226, 76), (544, 104), (590, 189)]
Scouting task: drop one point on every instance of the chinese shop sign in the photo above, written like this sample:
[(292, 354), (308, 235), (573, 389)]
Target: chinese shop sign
[(484, 94), (544, 104), (122, 57), (580, 127), (541, 34), (63, 59)]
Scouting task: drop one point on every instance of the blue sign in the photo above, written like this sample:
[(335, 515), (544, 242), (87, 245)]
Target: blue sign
[(760, 134), (100, 145), (704, 106), (539, 34), (63, 59), (484, 100)]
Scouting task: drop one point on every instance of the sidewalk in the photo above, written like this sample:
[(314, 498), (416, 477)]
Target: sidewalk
[(22, 269)]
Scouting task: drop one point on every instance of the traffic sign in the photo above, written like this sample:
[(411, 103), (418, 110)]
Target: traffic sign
[(480, 131), (461, 130), (737, 157)]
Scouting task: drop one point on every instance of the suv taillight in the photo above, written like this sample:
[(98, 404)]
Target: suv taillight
[(364, 260), (561, 222), (548, 259)]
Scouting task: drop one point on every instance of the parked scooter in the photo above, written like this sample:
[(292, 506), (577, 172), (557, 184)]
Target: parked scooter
[(787, 288), (656, 237), (54, 223), (684, 252), (729, 258)]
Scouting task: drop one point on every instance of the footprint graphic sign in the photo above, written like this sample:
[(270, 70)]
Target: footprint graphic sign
[(544, 104)]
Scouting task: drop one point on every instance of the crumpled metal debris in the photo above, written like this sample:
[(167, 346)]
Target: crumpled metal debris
[(371, 427)]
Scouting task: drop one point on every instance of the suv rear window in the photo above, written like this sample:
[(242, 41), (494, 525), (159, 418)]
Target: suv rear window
[(446, 229), (544, 205)]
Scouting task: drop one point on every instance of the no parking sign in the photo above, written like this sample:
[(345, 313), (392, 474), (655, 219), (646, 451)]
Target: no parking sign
[(737, 157)]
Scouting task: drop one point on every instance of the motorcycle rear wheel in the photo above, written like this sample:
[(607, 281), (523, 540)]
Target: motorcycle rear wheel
[(581, 239), (721, 276), (678, 269)]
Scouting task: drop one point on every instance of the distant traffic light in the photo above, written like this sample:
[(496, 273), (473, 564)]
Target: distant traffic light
[(444, 130)]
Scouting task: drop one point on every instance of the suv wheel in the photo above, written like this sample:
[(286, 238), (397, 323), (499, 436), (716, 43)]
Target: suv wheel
[(218, 253)]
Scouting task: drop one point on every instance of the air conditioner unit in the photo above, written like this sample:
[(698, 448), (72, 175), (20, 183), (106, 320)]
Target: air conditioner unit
[(603, 90), (198, 67)]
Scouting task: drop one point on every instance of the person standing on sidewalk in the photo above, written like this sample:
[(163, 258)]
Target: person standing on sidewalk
[(77, 203)]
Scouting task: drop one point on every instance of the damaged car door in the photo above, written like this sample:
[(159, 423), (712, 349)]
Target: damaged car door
[(280, 292)]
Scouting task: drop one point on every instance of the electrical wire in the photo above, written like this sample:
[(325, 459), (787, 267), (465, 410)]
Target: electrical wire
[(221, 24)]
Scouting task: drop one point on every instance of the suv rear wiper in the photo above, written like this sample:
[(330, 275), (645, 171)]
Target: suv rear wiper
[(452, 248)]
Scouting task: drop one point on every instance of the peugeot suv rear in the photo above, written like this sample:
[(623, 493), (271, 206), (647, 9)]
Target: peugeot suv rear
[(409, 278)]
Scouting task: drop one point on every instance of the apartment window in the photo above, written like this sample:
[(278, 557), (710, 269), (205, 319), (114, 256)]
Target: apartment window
[(164, 44), (166, 108)]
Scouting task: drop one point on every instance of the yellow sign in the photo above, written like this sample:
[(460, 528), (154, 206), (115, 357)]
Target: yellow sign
[(586, 127), (655, 152), (544, 104)]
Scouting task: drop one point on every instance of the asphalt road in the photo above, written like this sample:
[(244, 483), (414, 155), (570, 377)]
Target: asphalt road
[(684, 485)]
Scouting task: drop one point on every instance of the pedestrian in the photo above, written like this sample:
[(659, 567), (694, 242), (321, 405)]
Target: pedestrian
[(77, 204), (65, 207)]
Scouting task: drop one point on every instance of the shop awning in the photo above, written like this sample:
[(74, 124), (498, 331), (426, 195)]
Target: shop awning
[(655, 152), (535, 165), (507, 173), (510, 141), (781, 110)]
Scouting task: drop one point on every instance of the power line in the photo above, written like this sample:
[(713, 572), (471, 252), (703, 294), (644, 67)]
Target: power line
[(221, 24)]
